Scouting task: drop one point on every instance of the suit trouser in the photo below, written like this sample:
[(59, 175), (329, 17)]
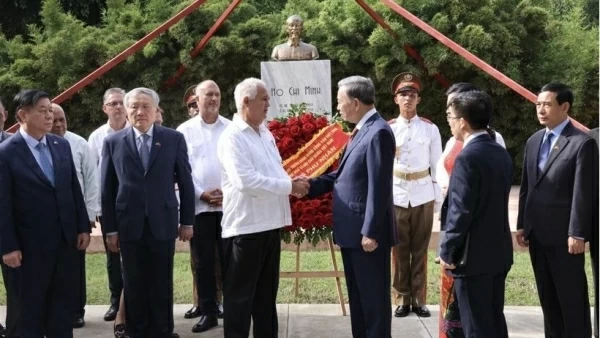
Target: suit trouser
[(12, 280), (80, 289), (148, 284), (481, 305), (113, 269), (410, 256), (205, 244), (368, 282), (46, 292), (562, 289), (251, 282)]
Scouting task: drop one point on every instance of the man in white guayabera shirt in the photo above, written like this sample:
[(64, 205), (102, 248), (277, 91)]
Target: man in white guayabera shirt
[(201, 133), (256, 205)]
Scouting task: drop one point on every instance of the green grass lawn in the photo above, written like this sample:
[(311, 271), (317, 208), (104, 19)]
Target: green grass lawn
[(520, 284)]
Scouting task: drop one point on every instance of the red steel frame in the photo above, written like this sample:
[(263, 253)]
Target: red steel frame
[(389, 3)]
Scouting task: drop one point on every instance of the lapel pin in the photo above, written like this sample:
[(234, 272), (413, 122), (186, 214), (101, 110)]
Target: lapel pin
[(555, 148), (157, 144), (55, 142)]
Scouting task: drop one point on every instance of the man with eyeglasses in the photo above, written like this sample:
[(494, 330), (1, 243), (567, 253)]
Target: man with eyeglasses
[(416, 193), (112, 106)]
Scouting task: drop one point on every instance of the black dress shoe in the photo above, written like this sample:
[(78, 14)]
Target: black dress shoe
[(402, 311), (120, 331), (174, 335), (220, 311), (111, 314), (193, 313), (78, 323), (205, 323), (421, 311)]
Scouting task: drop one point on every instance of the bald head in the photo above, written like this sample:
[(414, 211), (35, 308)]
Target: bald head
[(208, 96), (59, 127)]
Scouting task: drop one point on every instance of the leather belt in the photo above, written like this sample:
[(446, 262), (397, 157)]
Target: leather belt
[(411, 176)]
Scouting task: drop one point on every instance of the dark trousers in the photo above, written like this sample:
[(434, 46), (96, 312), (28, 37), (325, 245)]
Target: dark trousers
[(481, 305), (368, 282), (46, 292), (250, 284), (113, 269), (562, 288), (148, 283), (80, 293), (12, 280), (207, 239)]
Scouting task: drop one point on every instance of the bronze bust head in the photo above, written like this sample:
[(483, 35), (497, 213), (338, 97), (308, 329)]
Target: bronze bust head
[(294, 48)]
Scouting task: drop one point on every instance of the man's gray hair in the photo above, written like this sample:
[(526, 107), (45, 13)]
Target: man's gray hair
[(359, 87), (293, 18), (141, 91), (110, 91), (247, 88)]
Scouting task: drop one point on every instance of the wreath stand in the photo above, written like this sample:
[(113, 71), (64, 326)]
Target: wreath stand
[(318, 274)]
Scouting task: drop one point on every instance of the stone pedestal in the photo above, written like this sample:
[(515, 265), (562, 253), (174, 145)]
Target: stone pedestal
[(295, 82)]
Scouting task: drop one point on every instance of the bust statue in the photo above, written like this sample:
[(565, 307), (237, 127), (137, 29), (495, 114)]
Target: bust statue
[(294, 48)]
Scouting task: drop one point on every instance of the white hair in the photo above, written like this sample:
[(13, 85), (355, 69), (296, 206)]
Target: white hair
[(141, 91), (110, 91), (247, 88)]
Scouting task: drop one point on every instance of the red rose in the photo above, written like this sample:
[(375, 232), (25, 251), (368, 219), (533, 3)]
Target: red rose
[(324, 210), (274, 125), (315, 203), (319, 220), (321, 122), (308, 137), (287, 141), (308, 127), (307, 118), (328, 219), (308, 211), (293, 121), (282, 132), (295, 130)]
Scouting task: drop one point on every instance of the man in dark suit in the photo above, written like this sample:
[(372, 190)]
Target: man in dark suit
[(44, 219), (10, 276), (140, 166), (594, 244), (363, 209), (556, 206), (477, 246)]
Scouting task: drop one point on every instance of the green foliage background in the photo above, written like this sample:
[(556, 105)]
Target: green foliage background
[(531, 41)]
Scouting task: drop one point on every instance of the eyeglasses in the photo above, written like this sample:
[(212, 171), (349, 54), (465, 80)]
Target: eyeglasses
[(192, 105), (449, 117), (114, 103)]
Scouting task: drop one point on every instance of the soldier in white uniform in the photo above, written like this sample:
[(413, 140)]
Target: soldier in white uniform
[(418, 148)]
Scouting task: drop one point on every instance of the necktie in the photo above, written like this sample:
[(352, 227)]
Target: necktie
[(545, 151), (45, 162), (145, 151), (354, 131)]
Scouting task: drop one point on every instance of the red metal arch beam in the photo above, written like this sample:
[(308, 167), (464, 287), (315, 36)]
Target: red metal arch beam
[(67, 94), (407, 48), (468, 55)]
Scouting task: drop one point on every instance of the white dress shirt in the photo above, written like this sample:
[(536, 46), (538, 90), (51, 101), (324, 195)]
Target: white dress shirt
[(365, 118), (138, 138), (442, 177), (256, 188), (418, 148), (202, 139), (87, 173), (32, 143), (96, 142)]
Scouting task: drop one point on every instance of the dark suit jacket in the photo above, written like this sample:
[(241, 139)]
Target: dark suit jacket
[(559, 201), (127, 192), (478, 207), (35, 215), (362, 188)]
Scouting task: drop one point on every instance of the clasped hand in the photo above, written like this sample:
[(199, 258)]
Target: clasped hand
[(213, 197), (300, 186)]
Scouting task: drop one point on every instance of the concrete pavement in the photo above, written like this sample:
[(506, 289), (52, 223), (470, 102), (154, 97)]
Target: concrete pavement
[(320, 321)]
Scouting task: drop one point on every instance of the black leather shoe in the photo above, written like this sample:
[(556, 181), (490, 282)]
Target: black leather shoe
[(174, 335), (421, 311), (205, 323), (220, 311), (111, 314), (193, 313), (120, 331), (402, 311), (78, 323)]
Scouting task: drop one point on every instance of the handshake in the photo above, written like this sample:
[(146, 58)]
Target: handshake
[(300, 186)]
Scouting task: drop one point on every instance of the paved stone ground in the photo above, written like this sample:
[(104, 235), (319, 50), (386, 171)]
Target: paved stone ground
[(321, 321)]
